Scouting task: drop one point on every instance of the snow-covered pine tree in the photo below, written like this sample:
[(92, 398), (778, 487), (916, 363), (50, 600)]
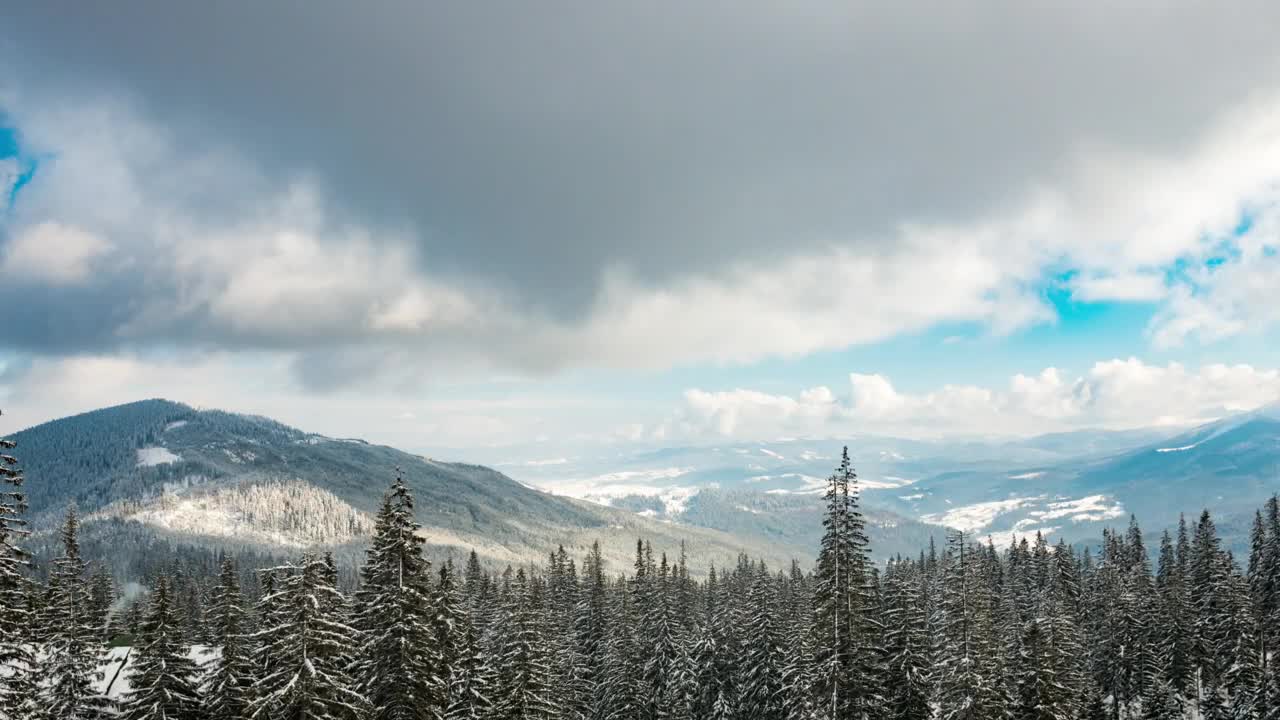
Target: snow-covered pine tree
[(448, 633), (164, 680), (967, 689), (846, 680), (760, 684), (1173, 631), (566, 659), (708, 661), (73, 649), (592, 629), (471, 675), (398, 670), (102, 595), (303, 650), (1210, 571), (523, 691), (618, 692), (906, 640), (17, 688), (797, 673), (1039, 694), (1243, 680), (229, 682), (659, 632)]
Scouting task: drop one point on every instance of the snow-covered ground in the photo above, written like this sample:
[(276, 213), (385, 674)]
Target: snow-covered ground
[(119, 668), (152, 456), (972, 518), (1037, 510)]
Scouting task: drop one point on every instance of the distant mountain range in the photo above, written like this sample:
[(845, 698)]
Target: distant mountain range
[(1069, 485), (165, 471), (1229, 466), (158, 469)]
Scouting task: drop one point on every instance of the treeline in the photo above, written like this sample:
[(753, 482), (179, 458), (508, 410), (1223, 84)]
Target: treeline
[(965, 632)]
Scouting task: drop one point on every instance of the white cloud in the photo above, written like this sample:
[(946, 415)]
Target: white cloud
[(1113, 394), (52, 253), (216, 254)]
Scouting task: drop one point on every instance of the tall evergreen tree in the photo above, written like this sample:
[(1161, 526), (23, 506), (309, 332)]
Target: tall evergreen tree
[(303, 650), (229, 681), (968, 682), (524, 675), (846, 679), (17, 686), (399, 669), (163, 684), (907, 651), (761, 684), (73, 649)]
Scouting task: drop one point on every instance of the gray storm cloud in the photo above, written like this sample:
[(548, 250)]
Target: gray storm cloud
[(538, 154)]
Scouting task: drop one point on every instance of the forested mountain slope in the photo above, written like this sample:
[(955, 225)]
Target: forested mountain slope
[(161, 469)]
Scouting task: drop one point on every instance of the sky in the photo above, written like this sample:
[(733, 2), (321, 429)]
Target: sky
[(466, 226)]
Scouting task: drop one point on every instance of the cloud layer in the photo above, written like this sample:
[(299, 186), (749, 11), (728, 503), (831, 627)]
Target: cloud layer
[(1115, 394), (384, 200)]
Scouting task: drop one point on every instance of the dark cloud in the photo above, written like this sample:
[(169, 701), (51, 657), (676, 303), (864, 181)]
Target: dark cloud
[(536, 146)]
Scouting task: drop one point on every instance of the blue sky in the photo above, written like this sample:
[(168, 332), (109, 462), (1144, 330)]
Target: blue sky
[(596, 243)]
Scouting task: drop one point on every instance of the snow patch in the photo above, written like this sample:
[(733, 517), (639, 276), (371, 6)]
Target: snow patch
[(287, 513), (971, 518), (152, 456), (1027, 475), (917, 496), (1093, 508), (772, 454), (175, 425), (886, 482), (604, 489), (1177, 449)]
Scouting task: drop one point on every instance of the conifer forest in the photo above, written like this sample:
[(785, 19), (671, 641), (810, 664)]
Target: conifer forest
[(969, 631)]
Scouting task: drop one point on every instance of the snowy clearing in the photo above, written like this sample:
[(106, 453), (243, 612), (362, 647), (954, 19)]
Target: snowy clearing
[(118, 668), (1086, 509), (152, 456), (972, 518)]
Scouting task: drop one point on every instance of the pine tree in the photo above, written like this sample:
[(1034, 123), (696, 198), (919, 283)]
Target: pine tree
[(17, 686), (907, 650), (708, 658), (164, 679), (524, 676), (591, 630), (229, 682), (797, 675), (399, 669), (845, 674), (968, 684), (73, 647), (1039, 695), (761, 683), (471, 677), (303, 649)]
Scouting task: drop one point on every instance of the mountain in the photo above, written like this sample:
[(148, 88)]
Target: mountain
[(1229, 466), (158, 471)]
